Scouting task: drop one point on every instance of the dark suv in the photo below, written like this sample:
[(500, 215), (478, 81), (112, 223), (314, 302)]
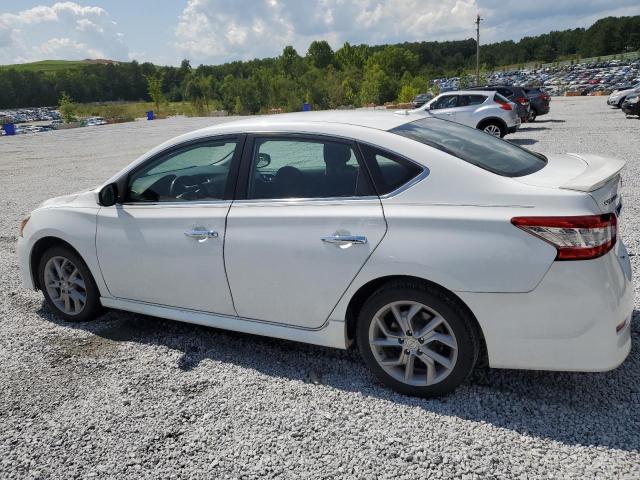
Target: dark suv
[(539, 102), (516, 95)]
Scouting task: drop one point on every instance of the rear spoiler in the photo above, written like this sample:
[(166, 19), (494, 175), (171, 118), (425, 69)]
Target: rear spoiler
[(598, 172)]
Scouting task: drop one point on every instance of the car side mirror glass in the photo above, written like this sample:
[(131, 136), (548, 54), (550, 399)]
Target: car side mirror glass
[(108, 195), (264, 160)]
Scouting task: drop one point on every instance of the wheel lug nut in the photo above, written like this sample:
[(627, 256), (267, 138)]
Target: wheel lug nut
[(406, 352), (421, 340), (409, 333), (401, 340)]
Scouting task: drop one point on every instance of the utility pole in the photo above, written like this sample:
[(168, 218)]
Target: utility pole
[(477, 22)]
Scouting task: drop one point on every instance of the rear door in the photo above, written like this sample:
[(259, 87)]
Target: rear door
[(467, 106), (306, 221)]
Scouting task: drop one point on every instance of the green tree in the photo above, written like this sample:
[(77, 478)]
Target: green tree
[(154, 88), (377, 86), (407, 93), (67, 108), (320, 54)]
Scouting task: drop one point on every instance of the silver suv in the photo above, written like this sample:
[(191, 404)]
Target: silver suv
[(483, 109), (617, 98)]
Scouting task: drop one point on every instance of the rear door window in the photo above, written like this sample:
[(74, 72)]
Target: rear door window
[(305, 168), (468, 100), (473, 146)]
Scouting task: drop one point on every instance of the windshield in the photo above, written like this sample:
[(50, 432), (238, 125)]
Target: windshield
[(473, 146)]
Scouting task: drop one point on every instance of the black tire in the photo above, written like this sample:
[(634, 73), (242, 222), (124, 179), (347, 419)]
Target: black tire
[(502, 128), (459, 320), (92, 307), (621, 102), (532, 115)]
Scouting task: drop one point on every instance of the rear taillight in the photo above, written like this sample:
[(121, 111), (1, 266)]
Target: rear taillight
[(503, 105), (521, 100), (575, 238)]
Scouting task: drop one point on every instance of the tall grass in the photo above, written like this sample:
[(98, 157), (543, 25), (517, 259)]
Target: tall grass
[(129, 111)]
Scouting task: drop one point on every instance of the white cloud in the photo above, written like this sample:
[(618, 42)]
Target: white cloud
[(219, 30), (215, 31), (64, 30)]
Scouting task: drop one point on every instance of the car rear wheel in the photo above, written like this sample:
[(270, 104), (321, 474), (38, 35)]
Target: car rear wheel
[(493, 128), (532, 115), (417, 340), (68, 286)]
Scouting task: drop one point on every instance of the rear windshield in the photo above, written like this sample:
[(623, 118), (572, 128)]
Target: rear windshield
[(473, 146)]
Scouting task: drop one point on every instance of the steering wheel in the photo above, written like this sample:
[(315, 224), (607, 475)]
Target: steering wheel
[(181, 189)]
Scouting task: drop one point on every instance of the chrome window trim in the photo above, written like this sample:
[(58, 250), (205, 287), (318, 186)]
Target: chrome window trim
[(178, 204), (415, 180), (293, 202)]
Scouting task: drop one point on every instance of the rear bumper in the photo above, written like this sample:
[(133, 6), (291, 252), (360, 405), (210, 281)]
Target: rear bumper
[(567, 323), (541, 108)]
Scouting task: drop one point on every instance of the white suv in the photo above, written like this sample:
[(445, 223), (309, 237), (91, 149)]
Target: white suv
[(486, 110)]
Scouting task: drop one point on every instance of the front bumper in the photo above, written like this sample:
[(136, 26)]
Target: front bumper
[(613, 101), (567, 323), (24, 259)]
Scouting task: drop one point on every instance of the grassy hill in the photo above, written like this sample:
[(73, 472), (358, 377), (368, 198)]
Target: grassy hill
[(52, 65)]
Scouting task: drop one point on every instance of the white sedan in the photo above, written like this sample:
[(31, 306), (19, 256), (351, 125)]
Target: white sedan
[(430, 245)]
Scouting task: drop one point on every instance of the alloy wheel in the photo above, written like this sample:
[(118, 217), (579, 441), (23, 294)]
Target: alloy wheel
[(65, 285), (413, 343), (494, 130)]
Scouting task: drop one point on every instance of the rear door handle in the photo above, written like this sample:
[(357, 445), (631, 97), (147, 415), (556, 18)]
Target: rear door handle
[(345, 239)]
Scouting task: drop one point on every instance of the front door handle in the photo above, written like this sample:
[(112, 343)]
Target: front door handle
[(345, 239), (200, 234)]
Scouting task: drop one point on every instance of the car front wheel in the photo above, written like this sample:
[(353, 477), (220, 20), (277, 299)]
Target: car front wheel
[(67, 285), (417, 340)]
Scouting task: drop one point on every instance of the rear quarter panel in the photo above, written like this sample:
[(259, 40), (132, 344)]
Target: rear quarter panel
[(454, 228)]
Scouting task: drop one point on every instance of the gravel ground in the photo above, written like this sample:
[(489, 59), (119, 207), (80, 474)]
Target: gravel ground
[(130, 396)]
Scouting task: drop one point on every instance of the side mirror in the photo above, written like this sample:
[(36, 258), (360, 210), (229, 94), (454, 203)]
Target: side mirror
[(108, 195), (264, 160)]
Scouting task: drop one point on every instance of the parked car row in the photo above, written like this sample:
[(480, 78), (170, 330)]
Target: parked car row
[(584, 78), (54, 125), (24, 115)]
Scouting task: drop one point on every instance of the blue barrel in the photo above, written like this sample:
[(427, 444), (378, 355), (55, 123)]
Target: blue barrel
[(150, 115), (9, 128), (306, 107)]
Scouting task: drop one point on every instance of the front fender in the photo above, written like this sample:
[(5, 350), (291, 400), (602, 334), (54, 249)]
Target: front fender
[(75, 226)]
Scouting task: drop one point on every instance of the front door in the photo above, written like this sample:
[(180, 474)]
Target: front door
[(308, 221), (445, 107), (164, 244)]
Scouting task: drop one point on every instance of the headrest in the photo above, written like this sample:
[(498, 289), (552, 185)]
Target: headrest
[(288, 174), (336, 155)]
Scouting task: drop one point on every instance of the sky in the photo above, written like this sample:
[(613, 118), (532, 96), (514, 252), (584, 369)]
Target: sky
[(217, 31)]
